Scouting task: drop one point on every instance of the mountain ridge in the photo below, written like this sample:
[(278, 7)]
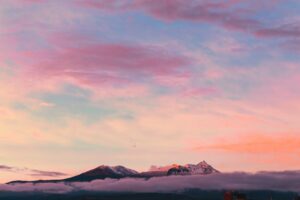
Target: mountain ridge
[(119, 172)]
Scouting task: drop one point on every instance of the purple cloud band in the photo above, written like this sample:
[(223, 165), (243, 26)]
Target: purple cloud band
[(279, 181), (233, 14)]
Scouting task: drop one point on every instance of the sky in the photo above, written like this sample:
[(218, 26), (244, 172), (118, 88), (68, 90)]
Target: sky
[(145, 82)]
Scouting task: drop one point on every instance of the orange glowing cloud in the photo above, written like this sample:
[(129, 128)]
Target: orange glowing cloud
[(255, 144)]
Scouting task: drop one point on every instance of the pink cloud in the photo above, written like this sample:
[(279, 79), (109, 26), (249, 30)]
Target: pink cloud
[(98, 62), (91, 63)]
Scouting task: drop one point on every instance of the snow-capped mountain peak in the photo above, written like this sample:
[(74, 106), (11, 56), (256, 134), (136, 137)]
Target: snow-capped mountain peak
[(201, 168), (123, 170), (203, 164), (119, 169), (104, 171)]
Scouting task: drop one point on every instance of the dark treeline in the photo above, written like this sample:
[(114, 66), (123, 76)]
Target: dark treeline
[(186, 195)]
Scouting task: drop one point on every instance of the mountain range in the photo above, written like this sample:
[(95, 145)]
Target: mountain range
[(118, 172)]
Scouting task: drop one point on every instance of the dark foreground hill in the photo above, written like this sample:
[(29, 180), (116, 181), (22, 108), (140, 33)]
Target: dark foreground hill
[(187, 195)]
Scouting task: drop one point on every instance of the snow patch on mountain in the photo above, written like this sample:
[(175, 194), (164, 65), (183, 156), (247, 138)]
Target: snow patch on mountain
[(162, 168), (201, 168), (123, 170)]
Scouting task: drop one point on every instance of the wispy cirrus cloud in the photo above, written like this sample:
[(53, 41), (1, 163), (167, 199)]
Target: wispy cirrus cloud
[(32, 172), (6, 168), (40, 173)]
